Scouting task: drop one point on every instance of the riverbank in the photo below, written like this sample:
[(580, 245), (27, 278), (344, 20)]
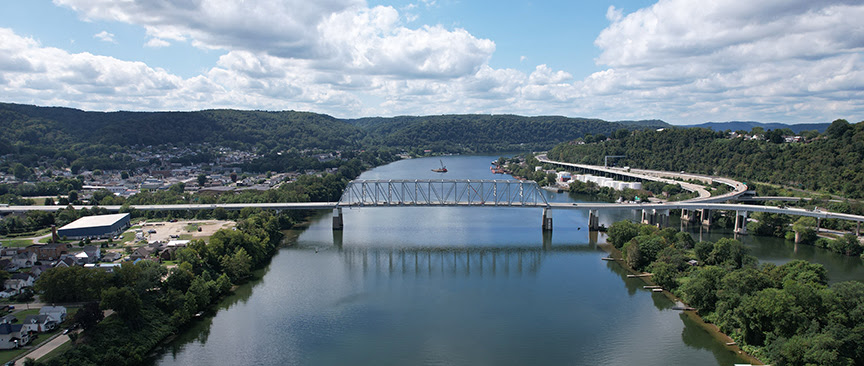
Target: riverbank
[(710, 328)]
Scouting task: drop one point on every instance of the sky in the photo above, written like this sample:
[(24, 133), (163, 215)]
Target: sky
[(682, 61)]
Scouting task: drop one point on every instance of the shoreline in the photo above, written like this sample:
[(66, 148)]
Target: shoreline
[(711, 328)]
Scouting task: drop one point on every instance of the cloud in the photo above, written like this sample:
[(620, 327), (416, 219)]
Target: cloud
[(104, 36), (157, 43), (729, 54), (337, 33), (684, 62)]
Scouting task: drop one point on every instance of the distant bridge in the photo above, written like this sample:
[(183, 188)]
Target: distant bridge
[(484, 193)]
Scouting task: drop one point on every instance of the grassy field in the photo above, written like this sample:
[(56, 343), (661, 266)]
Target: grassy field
[(16, 243)]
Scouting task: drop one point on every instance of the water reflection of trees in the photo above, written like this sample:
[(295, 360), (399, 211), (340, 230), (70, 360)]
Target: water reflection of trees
[(694, 336)]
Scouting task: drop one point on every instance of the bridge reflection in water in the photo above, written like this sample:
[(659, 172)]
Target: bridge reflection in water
[(467, 260)]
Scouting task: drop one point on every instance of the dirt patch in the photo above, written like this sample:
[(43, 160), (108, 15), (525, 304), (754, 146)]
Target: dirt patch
[(184, 229)]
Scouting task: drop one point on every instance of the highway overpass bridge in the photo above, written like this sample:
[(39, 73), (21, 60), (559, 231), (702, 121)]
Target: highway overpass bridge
[(482, 193), (738, 189)]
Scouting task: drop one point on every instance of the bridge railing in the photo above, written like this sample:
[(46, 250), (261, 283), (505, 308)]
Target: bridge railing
[(441, 192)]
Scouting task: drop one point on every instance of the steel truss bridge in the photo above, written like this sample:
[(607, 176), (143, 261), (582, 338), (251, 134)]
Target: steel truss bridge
[(443, 192), (477, 193)]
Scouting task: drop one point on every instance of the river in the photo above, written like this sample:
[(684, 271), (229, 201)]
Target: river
[(456, 286)]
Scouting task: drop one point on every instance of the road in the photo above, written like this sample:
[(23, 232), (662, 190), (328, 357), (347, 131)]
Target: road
[(738, 188), (44, 349)]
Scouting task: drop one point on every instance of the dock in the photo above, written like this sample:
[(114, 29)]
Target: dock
[(657, 290), (608, 259), (651, 287), (684, 308), (640, 275)]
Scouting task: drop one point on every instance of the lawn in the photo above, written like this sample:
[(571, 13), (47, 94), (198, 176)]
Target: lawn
[(193, 227), (16, 242), (8, 355)]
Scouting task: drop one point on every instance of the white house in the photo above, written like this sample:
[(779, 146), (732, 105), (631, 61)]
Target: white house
[(19, 281), (24, 259), (38, 323), (57, 313), (12, 337)]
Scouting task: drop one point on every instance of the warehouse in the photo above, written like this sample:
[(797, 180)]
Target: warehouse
[(101, 226)]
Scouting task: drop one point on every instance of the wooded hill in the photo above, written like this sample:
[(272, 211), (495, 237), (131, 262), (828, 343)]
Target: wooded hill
[(33, 129), (832, 162)]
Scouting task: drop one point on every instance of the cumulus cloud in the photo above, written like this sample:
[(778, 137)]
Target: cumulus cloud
[(681, 61), (157, 43), (337, 33), (732, 53), (104, 36)]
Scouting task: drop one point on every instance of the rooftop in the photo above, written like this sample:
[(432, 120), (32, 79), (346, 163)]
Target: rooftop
[(91, 221)]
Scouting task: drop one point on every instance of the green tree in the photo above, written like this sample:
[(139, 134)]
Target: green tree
[(202, 179), (237, 266), (88, 315), (122, 300), (622, 232), (700, 291)]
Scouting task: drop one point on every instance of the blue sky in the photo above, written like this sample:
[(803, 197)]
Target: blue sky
[(677, 60)]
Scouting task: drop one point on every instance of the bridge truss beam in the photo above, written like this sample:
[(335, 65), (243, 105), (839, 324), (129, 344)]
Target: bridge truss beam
[(440, 192)]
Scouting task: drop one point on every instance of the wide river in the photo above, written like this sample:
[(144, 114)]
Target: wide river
[(457, 286)]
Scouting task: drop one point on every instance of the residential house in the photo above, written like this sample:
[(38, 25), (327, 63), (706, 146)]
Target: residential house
[(38, 269), (38, 323), (8, 319), (7, 265), (93, 253), (65, 262), (24, 259), (19, 281), (57, 313), (111, 256), (12, 336), (167, 254), (48, 252), (142, 253)]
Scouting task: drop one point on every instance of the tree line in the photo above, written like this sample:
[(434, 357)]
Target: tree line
[(784, 315), (152, 302), (831, 162)]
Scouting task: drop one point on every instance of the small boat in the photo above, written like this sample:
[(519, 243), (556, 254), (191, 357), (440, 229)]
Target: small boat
[(442, 169)]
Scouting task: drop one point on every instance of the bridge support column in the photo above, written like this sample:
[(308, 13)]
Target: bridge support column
[(661, 218), (593, 220), (687, 215), (647, 217), (858, 228), (706, 217), (547, 219), (818, 224), (741, 222), (337, 218)]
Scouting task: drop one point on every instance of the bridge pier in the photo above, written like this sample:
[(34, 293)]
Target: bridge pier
[(659, 218), (662, 218), (687, 215), (593, 220), (818, 224), (547, 219), (858, 228), (647, 217), (705, 216), (337, 219), (741, 222)]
